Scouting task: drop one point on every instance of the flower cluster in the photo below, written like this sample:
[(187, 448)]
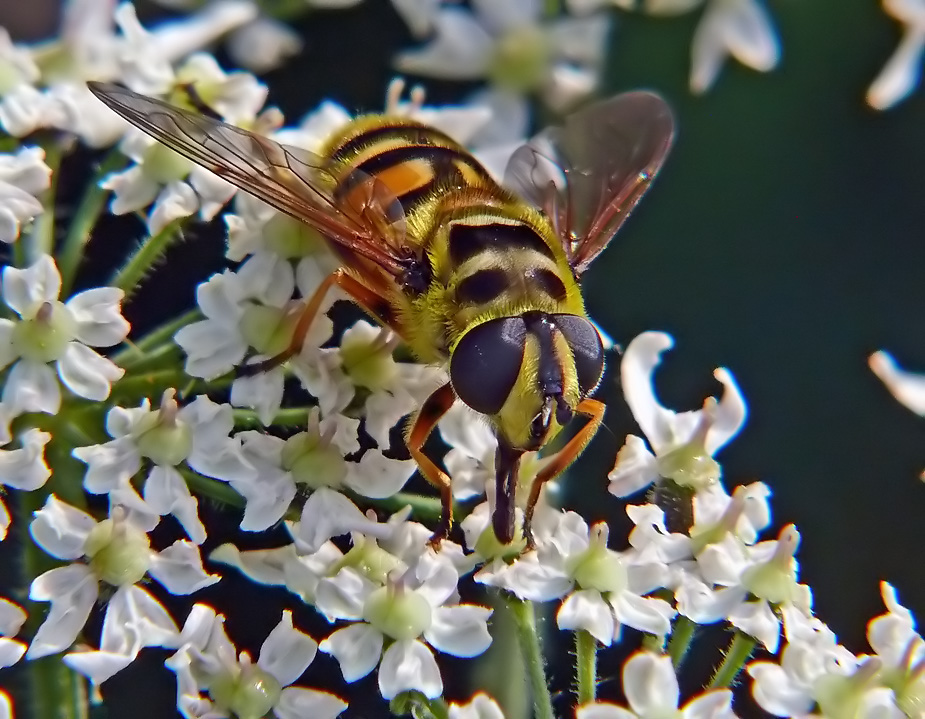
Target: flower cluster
[(260, 401)]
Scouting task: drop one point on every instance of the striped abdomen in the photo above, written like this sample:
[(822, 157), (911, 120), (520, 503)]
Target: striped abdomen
[(417, 164)]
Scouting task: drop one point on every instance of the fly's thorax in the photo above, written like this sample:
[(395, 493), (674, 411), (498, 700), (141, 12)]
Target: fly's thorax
[(527, 373)]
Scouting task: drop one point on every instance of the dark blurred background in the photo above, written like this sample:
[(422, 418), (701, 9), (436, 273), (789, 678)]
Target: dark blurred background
[(783, 240)]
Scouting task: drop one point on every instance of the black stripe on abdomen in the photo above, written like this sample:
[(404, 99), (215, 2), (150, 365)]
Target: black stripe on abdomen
[(482, 286), (407, 134), (467, 241)]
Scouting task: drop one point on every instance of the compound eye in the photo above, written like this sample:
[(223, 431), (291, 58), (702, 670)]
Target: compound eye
[(585, 342), (486, 361)]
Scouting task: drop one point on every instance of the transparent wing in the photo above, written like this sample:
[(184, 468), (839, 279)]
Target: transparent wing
[(368, 222), (589, 174)]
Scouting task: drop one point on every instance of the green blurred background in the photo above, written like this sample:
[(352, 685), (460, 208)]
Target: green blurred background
[(783, 240)]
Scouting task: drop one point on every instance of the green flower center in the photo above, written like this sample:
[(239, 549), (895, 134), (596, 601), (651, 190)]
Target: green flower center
[(163, 165), (368, 364), (397, 613), (690, 466), (119, 553), (45, 337), (267, 329), (291, 239), (313, 462), (599, 568), (249, 695), (163, 438), (521, 59)]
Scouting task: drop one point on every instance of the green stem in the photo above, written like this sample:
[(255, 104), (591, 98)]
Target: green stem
[(139, 352), (211, 488), (41, 239), (586, 666), (84, 220), (525, 618), (681, 636), (740, 649), (422, 508), (289, 417), (130, 277)]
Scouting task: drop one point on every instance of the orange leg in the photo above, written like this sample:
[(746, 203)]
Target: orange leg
[(437, 405), (374, 303), (591, 408)]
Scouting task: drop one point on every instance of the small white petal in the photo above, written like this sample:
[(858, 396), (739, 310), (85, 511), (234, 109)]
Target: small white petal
[(12, 617), (86, 373), (328, 514), (72, 591), (24, 291), (460, 49), (586, 609), (603, 710), (710, 705), (179, 569), (286, 652), (110, 465), (906, 387), (650, 684), (758, 620), (11, 651), (409, 665), (357, 649), (32, 387), (635, 468), (262, 392), (60, 529), (460, 630), (298, 703), (481, 706), (176, 201), (98, 313), (377, 476), (647, 614), (166, 492), (643, 354), (25, 468), (343, 595), (729, 415)]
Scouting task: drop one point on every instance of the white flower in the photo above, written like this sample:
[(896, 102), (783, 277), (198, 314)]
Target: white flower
[(23, 176), (509, 44), (605, 590), (115, 551), (363, 364), (24, 469), (810, 662), (12, 617), (651, 689), (900, 650), (52, 331), (684, 443), (751, 583), (160, 174), (740, 28), (908, 388), (89, 48), (196, 435), (313, 459), (412, 604), (237, 686), (901, 73), (252, 307)]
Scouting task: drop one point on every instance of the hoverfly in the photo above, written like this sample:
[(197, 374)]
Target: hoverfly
[(472, 274)]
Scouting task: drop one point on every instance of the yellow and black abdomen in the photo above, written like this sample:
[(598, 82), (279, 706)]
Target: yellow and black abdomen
[(417, 164)]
